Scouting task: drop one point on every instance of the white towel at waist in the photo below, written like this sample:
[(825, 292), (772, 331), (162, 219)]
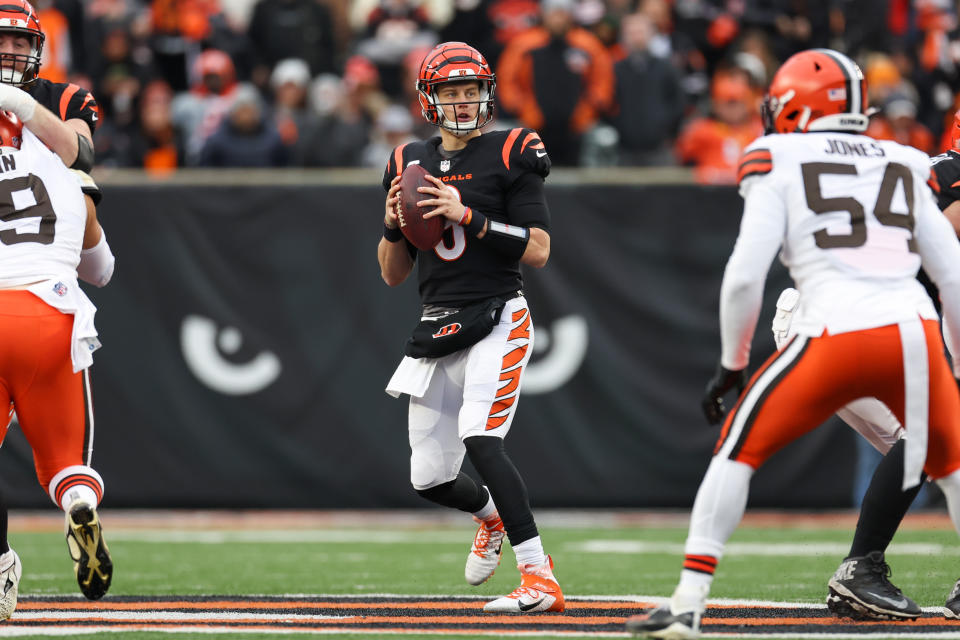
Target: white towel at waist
[(412, 377), (65, 295)]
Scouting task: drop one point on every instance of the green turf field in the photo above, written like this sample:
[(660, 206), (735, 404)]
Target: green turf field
[(771, 563)]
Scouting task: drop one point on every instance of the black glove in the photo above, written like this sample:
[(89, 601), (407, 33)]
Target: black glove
[(721, 382)]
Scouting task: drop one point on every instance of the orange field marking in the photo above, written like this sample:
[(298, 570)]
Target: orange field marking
[(398, 615)]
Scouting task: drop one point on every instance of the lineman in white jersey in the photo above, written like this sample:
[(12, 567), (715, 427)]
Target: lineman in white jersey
[(49, 235), (852, 219)]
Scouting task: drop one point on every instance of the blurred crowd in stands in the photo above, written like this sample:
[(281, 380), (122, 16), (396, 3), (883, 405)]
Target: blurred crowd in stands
[(330, 83)]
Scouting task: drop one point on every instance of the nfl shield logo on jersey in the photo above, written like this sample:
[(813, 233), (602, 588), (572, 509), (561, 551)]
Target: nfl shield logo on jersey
[(444, 165), (60, 289)]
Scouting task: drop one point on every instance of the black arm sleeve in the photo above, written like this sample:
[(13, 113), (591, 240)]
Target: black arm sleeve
[(527, 203)]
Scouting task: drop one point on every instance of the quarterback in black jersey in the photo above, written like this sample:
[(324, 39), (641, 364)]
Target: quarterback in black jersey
[(62, 115), (465, 360), (946, 168)]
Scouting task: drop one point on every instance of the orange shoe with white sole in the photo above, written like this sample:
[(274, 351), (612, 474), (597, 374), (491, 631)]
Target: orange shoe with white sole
[(538, 592)]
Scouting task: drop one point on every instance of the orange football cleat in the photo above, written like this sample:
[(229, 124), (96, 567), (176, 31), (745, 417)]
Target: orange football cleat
[(538, 592)]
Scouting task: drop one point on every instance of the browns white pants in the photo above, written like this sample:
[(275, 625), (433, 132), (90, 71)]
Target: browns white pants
[(471, 392), (52, 402)]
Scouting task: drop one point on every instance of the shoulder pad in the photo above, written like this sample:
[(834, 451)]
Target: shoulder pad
[(523, 150), (73, 101)]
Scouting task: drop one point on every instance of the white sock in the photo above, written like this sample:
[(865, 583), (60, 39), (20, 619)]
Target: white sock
[(719, 506), (950, 485), (79, 492), (530, 552), (488, 511)]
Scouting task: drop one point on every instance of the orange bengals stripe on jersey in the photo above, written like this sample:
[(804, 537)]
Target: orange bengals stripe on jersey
[(933, 182), (398, 157), (508, 144), (755, 162)]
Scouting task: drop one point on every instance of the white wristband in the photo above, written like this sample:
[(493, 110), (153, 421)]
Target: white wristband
[(96, 263)]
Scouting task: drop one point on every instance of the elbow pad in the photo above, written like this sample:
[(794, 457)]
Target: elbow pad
[(96, 263), (88, 186), (84, 161)]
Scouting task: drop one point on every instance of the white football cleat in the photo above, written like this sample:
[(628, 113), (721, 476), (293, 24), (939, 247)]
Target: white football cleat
[(486, 551), (538, 591), (10, 581)]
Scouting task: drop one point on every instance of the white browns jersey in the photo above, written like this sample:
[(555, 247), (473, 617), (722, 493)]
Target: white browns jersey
[(853, 218), (42, 215)]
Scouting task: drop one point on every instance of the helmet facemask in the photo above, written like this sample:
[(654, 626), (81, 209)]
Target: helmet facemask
[(433, 108), (25, 66)]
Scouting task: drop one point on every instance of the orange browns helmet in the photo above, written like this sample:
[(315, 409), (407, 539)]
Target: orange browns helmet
[(20, 18), (11, 130), (816, 90), (455, 62)]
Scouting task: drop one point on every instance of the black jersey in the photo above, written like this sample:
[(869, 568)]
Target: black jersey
[(499, 174), (66, 100), (946, 168)]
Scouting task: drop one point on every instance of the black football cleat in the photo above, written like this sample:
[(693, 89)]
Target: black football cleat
[(860, 590), (91, 558), (663, 623), (952, 608)]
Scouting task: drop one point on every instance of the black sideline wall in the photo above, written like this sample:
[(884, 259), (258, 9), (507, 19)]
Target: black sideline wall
[(247, 337)]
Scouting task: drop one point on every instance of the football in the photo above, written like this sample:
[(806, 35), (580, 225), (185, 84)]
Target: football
[(423, 234)]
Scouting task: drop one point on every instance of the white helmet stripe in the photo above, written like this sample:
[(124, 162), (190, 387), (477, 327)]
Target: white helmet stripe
[(853, 76)]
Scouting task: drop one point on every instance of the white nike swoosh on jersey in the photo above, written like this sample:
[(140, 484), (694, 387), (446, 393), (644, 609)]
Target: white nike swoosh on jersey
[(540, 154)]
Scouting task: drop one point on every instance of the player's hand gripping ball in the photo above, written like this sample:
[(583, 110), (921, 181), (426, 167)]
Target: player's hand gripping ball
[(423, 234)]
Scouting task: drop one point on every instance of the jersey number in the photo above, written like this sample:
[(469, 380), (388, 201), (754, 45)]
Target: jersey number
[(893, 174), (26, 197)]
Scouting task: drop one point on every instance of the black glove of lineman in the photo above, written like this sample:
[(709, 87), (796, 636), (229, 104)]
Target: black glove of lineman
[(721, 382)]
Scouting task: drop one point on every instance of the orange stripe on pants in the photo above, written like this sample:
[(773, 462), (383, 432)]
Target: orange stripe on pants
[(36, 375), (787, 397)]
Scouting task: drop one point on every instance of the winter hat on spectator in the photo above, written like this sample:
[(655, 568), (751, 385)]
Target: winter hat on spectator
[(359, 71), (899, 105), (564, 5), (292, 70), (395, 119), (246, 95)]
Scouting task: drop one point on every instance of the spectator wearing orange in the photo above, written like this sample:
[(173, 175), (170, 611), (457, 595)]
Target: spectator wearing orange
[(57, 54), (557, 79), (714, 144), (898, 121)]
